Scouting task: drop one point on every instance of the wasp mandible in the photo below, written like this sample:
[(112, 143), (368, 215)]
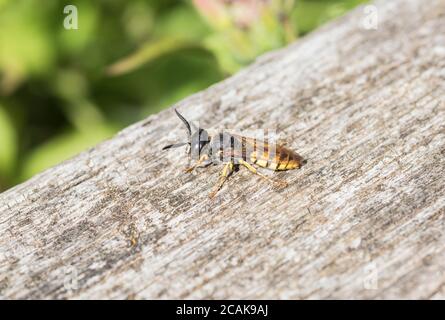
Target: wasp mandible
[(234, 150)]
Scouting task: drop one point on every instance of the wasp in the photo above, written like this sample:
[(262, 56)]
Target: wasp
[(234, 150)]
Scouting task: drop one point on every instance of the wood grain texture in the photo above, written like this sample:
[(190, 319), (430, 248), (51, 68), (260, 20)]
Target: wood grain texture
[(364, 218)]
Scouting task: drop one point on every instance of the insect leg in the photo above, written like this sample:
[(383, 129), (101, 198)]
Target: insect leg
[(281, 183), (202, 159), (225, 173)]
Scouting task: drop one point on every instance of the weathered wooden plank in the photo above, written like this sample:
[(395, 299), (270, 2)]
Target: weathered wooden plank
[(364, 218)]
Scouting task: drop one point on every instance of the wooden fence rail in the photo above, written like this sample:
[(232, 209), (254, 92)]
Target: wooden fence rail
[(364, 218)]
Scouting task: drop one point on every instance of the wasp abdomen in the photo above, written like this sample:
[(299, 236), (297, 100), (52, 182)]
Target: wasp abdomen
[(281, 159)]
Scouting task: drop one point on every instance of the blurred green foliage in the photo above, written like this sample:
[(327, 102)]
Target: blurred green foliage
[(62, 91)]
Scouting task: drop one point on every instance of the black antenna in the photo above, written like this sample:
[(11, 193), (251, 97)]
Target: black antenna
[(176, 145), (189, 130)]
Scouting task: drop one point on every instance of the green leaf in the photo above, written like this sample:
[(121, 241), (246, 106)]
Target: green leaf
[(147, 53), (3, 3), (8, 144), (73, 41), (182, 22), (25, 41), (180, 28)]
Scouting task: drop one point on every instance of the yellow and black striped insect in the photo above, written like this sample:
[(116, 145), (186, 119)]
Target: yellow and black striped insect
[(234, 150)]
